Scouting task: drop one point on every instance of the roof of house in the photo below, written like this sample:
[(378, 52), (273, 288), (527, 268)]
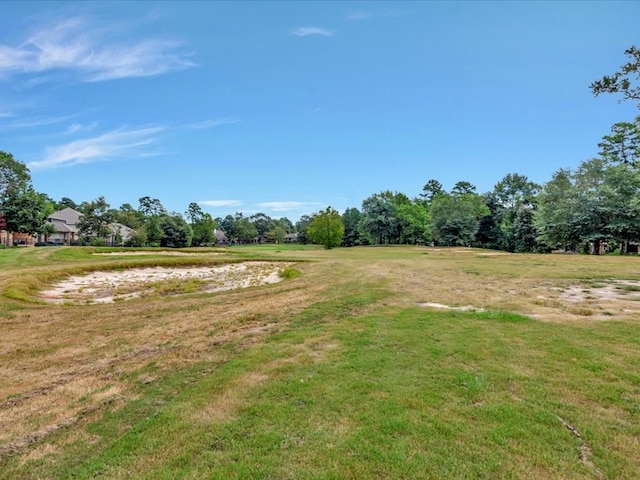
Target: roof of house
[(63, 227), (220, 235), (124, 231), (67, 215)]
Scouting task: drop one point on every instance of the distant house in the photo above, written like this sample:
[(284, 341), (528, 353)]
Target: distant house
[(291, 238), (65, 223), (221, 237), (119, 234), (16, 239)]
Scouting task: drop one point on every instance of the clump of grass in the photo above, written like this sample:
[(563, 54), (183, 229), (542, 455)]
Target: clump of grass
[(289, 273), (177, 286), (629, 287), (473, 384)]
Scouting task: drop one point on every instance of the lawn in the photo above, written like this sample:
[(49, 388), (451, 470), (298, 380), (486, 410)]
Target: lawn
[(372, 362)]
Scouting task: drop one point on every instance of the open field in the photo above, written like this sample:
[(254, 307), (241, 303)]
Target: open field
[(372, 362)]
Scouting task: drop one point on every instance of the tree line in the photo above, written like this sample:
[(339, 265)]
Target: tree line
[(595, 204)]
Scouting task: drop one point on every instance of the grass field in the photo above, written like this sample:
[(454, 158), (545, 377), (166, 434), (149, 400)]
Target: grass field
[(369, 362)]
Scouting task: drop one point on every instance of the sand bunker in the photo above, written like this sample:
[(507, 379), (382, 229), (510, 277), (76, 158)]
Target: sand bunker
[(110, 286)]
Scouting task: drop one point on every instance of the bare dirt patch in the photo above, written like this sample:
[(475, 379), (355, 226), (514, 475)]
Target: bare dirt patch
[(110, 286), (464, 308)]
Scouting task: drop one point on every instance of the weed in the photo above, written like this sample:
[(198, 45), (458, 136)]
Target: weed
[(289, 272)]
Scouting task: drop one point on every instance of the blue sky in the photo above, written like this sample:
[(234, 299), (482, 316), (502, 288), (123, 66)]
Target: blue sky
[(288, 107)]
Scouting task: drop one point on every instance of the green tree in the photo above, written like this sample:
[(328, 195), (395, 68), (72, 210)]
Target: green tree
[(151, 211), (512, 194), (623, 145), (151, 207), (129, 216), (326, 228), (26, 211), (204, 230), (66, 202), (352, 221), (623, 80), (244, 230), (462, 188), (176, 232), (96, 218), (455, 219), (202, 225), (555, 218), (413, 221), (276, 234), (263, 223), (431, 189), (14, 176), (302, 226), (380, 220)]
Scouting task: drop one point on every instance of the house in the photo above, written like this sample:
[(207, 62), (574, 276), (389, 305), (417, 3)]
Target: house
[(16, 239), (221, 238), (291, 238), (65, 223), (119, 234)]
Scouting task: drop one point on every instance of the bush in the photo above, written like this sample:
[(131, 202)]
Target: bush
[(98, 242), (289, 272)]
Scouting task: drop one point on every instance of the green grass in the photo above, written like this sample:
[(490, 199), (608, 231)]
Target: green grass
[(394, 394), (356, 386)]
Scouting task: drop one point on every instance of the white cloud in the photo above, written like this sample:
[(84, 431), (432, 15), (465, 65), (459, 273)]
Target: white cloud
[(78, 127), (39, 122), (220, 203), (79, 46), (306, 31), (116, 144), (212, 123), (287, 206)]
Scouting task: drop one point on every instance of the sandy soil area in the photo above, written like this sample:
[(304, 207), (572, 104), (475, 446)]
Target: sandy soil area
[(110, 286)]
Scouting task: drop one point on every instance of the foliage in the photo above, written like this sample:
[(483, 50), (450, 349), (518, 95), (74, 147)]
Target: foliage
[(413, 222), (326, 228), (598, 202), (622, 81), (352, 221), (301, 227), (514, 195), (431, 189), (202, 224), (66, 202), (289, 272), (96, 218), (380, 221), (26, 211), (14, 176), (177, 233), (623, 145), (455, 219)]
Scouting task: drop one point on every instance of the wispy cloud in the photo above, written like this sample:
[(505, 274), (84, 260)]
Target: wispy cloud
[(116, 144), (78, 127), (286, 206), (220, 203), (39, 121), (212, 123), (307, 31), (76, 45)]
